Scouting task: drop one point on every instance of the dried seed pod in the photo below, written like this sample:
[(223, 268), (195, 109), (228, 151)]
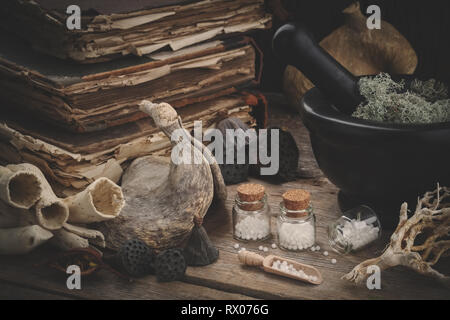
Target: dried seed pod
[(135, 258), (20, 186), (200, 251), (288, 154), (67, 240), (170, 265), (102, 200), (24, 186), (22, 240), (234, 173), (289, 157)]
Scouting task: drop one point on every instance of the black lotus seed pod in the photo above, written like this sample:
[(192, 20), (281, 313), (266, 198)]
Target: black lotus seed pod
[(288, 154), (234, 173), (136, 258), (170, 265)]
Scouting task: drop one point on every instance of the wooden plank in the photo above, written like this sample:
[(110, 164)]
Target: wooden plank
[(14, 292), (20, 272), (227, 274), (227, 279)]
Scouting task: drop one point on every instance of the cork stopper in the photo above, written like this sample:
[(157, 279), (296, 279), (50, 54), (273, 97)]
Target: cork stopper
[(296, 200), (251, 192)]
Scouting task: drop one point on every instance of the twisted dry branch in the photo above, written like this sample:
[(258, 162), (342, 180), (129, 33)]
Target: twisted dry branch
[(430, 221)]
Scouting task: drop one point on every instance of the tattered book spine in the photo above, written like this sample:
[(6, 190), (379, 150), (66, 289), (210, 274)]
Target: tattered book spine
[(73, 167), (95, 100), (134, 30)]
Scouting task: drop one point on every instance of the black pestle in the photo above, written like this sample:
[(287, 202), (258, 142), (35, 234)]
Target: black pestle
[(297, 47)]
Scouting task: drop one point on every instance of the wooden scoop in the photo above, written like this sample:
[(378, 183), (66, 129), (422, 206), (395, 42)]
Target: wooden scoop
[(253, 259)]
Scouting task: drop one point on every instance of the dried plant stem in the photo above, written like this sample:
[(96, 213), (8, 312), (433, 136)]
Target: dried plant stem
[(430, 219)]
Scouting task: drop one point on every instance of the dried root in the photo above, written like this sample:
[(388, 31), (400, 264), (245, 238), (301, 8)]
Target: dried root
[(418, 242)]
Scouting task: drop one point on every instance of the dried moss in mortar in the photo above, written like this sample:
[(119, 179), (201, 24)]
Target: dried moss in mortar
[(395, 102)]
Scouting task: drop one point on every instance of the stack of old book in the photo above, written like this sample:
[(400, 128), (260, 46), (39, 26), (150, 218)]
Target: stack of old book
[(70, 104)]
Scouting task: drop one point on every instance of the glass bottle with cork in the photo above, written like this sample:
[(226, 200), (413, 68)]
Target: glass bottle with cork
[(296, 223), (251, 213)]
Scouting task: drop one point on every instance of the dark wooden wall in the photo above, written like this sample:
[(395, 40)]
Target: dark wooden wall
[(426, 24)]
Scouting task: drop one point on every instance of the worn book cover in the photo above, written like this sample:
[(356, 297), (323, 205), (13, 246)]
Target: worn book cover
[(92, 97), (113, 29)]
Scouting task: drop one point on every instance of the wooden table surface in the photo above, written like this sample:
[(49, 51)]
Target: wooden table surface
[(20, 278)]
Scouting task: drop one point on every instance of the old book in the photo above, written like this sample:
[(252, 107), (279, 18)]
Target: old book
[(92, 97), (113, 29), (72, 161)]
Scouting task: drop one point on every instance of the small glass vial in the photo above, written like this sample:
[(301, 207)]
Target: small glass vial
[(296, 224), (354, 230), (251, 213)]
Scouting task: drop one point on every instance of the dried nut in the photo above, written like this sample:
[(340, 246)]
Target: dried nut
[(170, 265)]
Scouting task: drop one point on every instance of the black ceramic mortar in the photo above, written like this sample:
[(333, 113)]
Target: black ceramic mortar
[(378, 164)]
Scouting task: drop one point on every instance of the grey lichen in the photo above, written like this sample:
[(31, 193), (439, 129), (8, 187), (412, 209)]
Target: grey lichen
[(431, 90), (392, 102)]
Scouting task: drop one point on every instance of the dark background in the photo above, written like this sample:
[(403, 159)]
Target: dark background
[(426, 24)]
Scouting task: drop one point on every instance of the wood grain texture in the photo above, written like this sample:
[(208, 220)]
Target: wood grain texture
[(15, 292), (227, 274), (227, 278), (21, 273)]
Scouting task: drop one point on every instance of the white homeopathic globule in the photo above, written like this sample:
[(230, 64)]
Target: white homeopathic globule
[(252, 228), (296, 236), (357, 233), (290, 269)]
